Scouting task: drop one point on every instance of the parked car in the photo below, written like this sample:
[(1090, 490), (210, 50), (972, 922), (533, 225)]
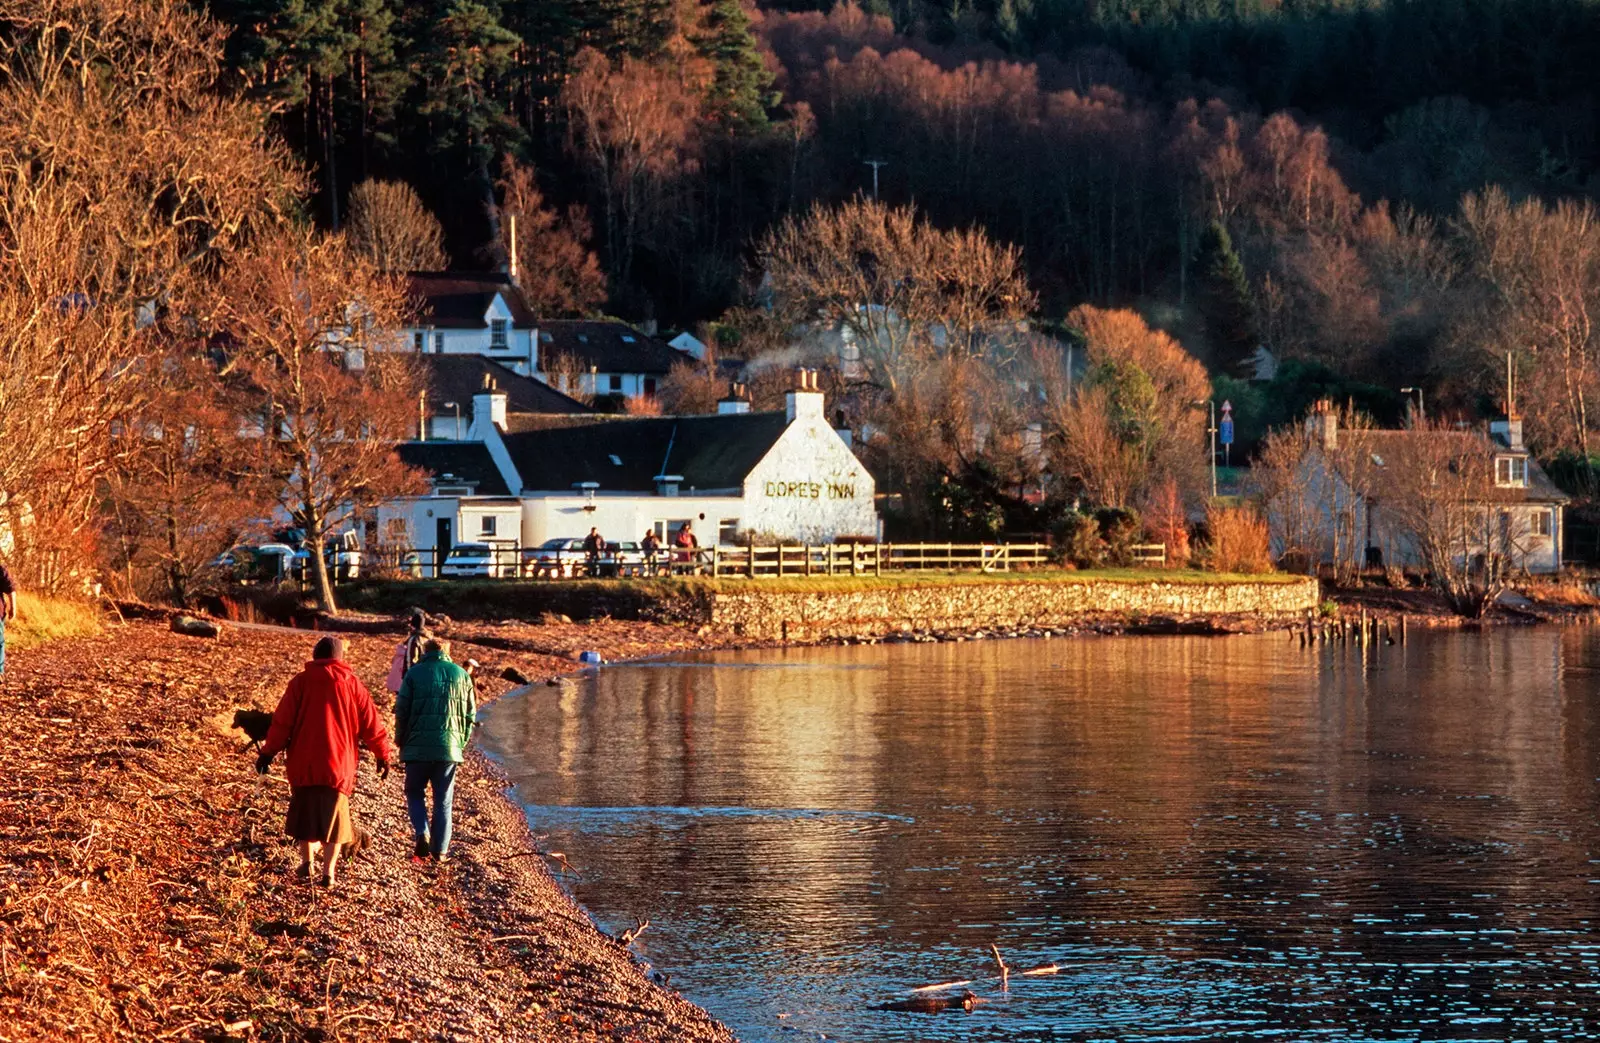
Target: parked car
[(553, 559), (342, 552), (261, 563), (623, 559), (472, 560)]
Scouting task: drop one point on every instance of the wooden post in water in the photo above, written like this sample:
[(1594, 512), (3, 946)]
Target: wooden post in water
[(1402, 628)]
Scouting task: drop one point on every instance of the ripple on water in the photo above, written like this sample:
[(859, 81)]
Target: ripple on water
[(1211, 839)]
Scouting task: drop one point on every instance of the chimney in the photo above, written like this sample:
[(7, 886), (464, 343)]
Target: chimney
[(1323, 425), (737, 400), (533, 352), (805, 400), (1508, 430), (489, 406)]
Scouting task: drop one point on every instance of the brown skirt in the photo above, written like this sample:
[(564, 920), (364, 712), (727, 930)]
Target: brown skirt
[(319, 813)]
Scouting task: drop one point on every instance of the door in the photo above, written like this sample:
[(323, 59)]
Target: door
[(442, 542)]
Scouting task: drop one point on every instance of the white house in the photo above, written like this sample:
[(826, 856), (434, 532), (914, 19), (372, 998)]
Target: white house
[(472, 313), (1353, 486), (785, 475), (689, 344)]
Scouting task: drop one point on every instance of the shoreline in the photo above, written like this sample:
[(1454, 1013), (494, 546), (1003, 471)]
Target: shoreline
[(138, 802)]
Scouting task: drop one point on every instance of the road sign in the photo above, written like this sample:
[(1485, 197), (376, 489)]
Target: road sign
[(1226, 429)]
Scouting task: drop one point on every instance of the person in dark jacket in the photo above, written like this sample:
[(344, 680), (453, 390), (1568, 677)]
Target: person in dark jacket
[(433, 718), (8, 612), (409, 652), (594, 545), (325, 716)]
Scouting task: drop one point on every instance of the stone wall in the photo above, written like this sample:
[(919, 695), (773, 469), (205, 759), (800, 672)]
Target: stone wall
[(808, 616)]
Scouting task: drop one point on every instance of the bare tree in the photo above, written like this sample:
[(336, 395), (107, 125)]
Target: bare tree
[(124, 178), (390, 225), (905, 293), (557, 273), (311, 322)]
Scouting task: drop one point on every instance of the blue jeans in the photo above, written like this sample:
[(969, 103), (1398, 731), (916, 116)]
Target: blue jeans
[(442, 774)]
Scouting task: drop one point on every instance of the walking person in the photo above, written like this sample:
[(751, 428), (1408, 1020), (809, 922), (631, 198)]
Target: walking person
[(324, 719), (8, 611), (408, 652), (433, 719)]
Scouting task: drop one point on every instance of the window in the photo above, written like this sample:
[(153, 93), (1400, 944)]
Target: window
[(497, 335), (649, 387), (486, 525), (728, 531), (418, 341), (627, 339), (1511, 470), (616, 382), (1543, 523), (438, 344)]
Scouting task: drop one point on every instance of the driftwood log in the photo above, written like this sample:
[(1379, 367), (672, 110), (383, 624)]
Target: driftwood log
[(192, 627), (932, 1004)]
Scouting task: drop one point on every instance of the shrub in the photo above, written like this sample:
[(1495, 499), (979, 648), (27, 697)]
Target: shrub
[(1120, 529), (1166, 523), (1238, 541), (1080, 538)]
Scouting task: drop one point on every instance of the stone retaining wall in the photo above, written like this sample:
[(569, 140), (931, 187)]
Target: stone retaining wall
[(810, 616)]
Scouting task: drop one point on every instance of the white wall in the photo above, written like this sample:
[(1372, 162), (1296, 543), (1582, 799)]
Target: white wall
[(810, 486), (633, 384), (624, 518), (475, 341)]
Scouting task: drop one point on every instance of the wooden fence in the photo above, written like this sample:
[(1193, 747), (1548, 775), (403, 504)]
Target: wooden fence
[(508, 561)]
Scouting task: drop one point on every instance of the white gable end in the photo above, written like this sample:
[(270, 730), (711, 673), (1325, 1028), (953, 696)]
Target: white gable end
[(810, 486)]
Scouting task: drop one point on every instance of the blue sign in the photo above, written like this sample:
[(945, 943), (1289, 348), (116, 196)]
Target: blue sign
[(1226, 430)]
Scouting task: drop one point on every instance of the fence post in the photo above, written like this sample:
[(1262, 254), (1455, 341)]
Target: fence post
[(832, 547), (714, 563), (750, 563), (780, 560), (808, 559), (877, 559)]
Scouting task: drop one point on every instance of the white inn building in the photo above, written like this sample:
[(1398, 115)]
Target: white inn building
[(785, 475)]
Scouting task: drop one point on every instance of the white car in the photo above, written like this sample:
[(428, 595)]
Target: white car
[(472, 560)]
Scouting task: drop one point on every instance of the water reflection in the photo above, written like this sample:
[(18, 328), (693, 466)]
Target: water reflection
[(1214, 838)]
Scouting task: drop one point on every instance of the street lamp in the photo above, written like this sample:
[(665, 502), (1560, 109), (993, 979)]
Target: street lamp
[(457, 407), (1211, 430), (1421, 413)]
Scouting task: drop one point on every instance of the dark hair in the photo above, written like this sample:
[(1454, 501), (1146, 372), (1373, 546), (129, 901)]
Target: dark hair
[(419, 619), (328, 648)]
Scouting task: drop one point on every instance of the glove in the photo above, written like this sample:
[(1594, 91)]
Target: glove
[(262, 763), (383, 769)]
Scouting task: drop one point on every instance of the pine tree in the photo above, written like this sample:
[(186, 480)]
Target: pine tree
[(741, 92), (1226, 303)]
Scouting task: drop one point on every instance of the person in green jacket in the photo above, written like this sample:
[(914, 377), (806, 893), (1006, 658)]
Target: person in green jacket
[(433, 716)]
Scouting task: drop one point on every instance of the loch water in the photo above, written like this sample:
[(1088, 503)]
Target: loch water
[(1213, 838)]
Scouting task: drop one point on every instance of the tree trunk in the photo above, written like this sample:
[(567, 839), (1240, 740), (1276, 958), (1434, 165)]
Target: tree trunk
[(319, 563), (176, 579)]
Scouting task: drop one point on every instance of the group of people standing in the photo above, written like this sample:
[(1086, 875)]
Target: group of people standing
[(327, 716), (685, 543)]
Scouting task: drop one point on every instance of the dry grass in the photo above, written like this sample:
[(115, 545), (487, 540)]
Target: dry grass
[(42, 620)]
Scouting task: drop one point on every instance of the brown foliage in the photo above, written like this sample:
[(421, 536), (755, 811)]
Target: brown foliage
[(559, 276), (124, 177), (1136, 418), (391, 227), (313, 326), (633, 126), (1238, 541), (1167, 523)]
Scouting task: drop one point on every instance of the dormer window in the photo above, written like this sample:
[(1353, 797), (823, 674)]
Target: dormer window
[(497, 335), (1511, 471)]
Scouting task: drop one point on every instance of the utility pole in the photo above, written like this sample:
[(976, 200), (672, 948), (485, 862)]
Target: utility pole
[(1422, 415), (1213, 432), (875, 164)]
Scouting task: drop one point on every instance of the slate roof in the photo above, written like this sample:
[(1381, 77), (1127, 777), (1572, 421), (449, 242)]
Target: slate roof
[(609, 347), (458, 300), (456, 378), (1392, 445), (468, 463), (711, 453)]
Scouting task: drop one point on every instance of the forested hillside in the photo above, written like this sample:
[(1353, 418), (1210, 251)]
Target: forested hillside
[(1343, 182)]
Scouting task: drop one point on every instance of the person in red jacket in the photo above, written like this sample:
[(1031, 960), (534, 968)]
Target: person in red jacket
[(324, 716)]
